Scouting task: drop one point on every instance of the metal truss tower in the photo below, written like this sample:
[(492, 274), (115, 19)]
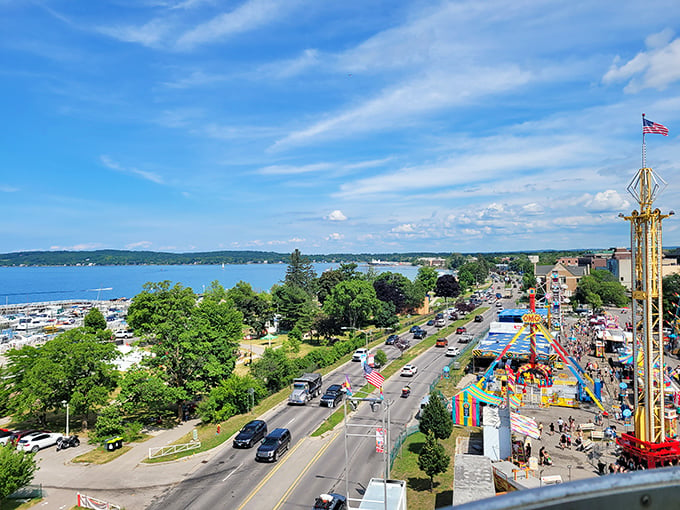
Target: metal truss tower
[(647, 305)]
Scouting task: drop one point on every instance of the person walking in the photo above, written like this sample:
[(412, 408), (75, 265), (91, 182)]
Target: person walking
[(540, 429), (560, 424), (552, 428)]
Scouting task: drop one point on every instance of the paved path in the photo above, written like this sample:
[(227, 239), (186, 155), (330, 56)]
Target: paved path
[(62, 480)]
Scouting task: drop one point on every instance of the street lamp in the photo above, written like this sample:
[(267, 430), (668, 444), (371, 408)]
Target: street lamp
[(65, 403)]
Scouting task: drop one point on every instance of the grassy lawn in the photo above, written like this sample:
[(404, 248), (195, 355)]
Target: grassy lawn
[(101, 456), (19, 504)]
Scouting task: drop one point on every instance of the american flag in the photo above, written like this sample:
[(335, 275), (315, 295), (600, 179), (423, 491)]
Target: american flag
[(373, 377), (652, 127)]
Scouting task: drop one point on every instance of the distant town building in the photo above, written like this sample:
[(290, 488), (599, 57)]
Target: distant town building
[(568, 275), (432, 262), (568, 261), (620, 266)]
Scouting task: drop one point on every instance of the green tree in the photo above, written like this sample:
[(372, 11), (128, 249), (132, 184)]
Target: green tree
[(427, 276), (294, 339), (76, 366), (600, 288), (352, 303), (380, 358), (456, 260), (255, 308), (274, 369), (386, 316), (433, 459), (435, 418), (18, 469), (671, 291), (300, 273), (235, 395), (194, 346), (146, 394), (294, 306), (466, 279), (94, 320), (109, 423), (397, 289), (479, 271)]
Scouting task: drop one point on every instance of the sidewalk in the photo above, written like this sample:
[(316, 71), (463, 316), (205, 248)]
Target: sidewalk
[(124, 481)]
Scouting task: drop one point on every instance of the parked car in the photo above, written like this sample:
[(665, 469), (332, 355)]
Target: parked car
[(420, 334), (409, 370), (253, 432), (391, 339), (452, 351), (441, 342), (37, 441), (333, 396), (359, 353), (330, 501), (460, 330), (479, 318), (18, 434), (273, 445), (5, 435)]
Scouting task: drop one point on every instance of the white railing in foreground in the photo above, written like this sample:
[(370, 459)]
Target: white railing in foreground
[(161, 451)]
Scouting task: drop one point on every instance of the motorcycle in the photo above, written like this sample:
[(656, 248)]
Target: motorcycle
[(68, 442), (405, 391)]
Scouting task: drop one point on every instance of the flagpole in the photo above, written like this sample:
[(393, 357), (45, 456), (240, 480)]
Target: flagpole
[(644, 146)]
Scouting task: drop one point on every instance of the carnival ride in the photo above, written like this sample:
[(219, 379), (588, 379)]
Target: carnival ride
[(650, 443), (539, 373)]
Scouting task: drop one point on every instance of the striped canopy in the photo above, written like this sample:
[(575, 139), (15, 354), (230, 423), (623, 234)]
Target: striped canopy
[(524, 425)]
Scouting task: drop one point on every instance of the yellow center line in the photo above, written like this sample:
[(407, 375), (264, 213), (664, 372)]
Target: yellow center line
[(309, 464), (271, 473)]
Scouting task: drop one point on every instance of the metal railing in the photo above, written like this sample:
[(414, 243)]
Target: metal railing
[(162, 451)]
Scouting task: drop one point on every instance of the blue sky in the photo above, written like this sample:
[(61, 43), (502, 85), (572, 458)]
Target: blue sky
[(353, 126)]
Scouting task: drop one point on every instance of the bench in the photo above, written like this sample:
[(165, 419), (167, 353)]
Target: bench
[(551, 479), (587, 427), (586, 446), (596, 434)]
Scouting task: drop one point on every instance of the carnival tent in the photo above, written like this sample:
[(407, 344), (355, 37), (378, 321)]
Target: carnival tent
[(466, 405), (524, 425)]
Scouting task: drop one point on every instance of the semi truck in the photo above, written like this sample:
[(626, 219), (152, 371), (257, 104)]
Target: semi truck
[(305, 388)]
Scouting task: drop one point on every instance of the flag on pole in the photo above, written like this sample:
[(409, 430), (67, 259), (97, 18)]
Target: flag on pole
[(373, 377), (653, 128), (348, 386)]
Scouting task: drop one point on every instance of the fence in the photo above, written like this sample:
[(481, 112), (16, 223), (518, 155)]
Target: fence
[(412, 429), (162, 451), (94, 503)]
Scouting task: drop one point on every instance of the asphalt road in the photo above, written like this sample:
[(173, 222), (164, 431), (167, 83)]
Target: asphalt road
[(230, 476)]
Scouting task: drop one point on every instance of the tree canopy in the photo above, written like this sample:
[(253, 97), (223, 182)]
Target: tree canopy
[(435, 418), (300, 273), (95, 320), (427, 276), (433, 459), (352, 303), (18, 469), (600, 288), (447, 286)]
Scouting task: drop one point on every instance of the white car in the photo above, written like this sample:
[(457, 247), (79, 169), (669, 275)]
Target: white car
[(37, 441), (123, 334), (359, 353), (452, 351), (409, 370)]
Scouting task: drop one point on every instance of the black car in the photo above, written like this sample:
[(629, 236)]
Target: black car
[(391, 339), (333, 396), (251, 434), (479, 318), (273, 445), (414, 328), (330, 501), (420, 334)]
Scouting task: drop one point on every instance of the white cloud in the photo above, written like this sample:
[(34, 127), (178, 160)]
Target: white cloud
[(8, 189), (657, 68), (78, 247), (292, 170), (113, 165), (250, 15), (150, 34), (336, 215), (609, 200), (405, 228), (532, 208), (335, 237), (139, 244)]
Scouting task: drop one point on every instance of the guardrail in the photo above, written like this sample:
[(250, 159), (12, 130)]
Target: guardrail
[(162, 451)]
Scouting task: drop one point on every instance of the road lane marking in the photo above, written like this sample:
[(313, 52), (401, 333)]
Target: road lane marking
[(271, 473), (306, 468), (291, 421), (234, 471)]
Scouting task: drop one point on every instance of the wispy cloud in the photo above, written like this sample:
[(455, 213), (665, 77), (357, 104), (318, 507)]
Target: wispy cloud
[(248, 16), (113, 165), (150, 34), (658, 67), (293, 170), (78, 247), (8, 189), (139, 244)]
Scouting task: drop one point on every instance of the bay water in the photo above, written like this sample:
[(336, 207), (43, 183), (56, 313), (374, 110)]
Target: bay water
[(56, 283)]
